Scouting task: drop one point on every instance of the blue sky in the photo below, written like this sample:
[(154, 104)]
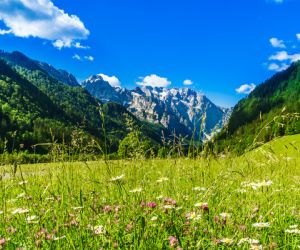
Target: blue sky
[(222, 48)]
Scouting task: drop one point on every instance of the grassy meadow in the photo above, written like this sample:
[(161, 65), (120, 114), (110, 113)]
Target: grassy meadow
[(247, 202)]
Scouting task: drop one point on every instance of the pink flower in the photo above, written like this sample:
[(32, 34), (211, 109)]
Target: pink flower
[(173, 241), (2, 241), (142, 204), (107, 209), (204, 207), (151, 204), (170, 201)]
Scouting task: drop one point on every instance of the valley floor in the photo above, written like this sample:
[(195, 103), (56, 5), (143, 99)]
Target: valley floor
[(250, 202)]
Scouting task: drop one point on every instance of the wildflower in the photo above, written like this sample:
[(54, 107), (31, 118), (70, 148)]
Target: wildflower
[(50, 199), (2, 241), (74, 223), (203, 206), (22, 195), (118, 178), (142, 204), (292, 231), (136, 190), (99, 230), (173, 241), (293, 226), (162, 179), (59, 238), (40, 233), (256, 247), (31, 219), (77, 208), (20, 211), (199, 189), (23, 183), (261, 224), (38, 243), (107, 209), (170, 201), (248, 240), (154, 218), (225, 216), (151, 204), (193, 216), (241, 191), (168, 207), (11, 230), (129, 227), (160, 197), (257, 185), (227, 241)]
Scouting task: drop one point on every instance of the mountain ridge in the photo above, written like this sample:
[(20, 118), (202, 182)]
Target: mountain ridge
[(178, 109), (73, 108), (271, 110)]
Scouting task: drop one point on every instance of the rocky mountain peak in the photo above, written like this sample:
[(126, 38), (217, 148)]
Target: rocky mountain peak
[(178, 109)]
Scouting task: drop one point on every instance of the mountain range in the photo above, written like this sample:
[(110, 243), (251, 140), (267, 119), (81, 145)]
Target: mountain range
[(182, 111), (42, 104)]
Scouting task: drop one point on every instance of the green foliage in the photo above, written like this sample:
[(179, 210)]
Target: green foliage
[(36, 108), (270, 111), (134, 145), (247, 202)]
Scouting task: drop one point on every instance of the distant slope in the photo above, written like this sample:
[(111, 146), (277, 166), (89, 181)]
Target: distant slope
[(271, 110), (24, 111), (71, 107), (16, 58)]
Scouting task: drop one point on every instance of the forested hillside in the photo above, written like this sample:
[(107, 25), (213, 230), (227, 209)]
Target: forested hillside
[(38, 108), (271, 110)]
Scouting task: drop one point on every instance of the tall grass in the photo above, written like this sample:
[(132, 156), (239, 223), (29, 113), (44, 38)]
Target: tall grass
[(244, 202)]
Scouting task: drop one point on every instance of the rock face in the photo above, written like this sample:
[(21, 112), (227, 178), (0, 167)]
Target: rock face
[(183, 111)]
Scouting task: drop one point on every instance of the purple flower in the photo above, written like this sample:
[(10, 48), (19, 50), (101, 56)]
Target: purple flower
[(151, 204)]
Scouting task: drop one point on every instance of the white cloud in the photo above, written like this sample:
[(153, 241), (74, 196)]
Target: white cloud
[(246, 88), (187, 82), (276, 67), (59, 44), (112, 80), (295, 57), (276, 43), (42, 19), (4, 32), (298, 36), (78, 45), (284, 56), (154, 81), (280, 56), (89, 58), (77, 57)]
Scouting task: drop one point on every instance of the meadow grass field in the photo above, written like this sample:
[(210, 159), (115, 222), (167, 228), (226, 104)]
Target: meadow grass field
[(246, 202)]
